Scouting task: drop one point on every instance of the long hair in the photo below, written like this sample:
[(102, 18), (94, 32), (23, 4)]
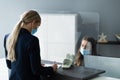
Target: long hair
[(25, 18), (79, 57), (93, 43)]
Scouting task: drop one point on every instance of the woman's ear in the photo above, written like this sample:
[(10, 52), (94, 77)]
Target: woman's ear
[(33, 24)]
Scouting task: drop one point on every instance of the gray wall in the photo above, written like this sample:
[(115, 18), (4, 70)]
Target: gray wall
[(108, 9)]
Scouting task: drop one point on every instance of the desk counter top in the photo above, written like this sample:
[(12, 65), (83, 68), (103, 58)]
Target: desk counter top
[(77, 73)]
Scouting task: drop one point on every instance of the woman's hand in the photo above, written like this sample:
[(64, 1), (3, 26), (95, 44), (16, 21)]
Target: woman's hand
[(55, 66), (43, 65)]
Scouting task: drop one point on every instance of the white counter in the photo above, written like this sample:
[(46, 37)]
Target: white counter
[(104, 78), (3, 69)]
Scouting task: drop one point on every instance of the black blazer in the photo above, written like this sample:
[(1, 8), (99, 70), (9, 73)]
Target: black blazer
[(28, 62)]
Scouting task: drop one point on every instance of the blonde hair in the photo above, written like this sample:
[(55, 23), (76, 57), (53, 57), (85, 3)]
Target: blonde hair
[(26, 18)]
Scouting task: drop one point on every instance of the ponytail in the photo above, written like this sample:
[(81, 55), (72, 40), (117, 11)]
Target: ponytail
[(11, 42), (26, 18)]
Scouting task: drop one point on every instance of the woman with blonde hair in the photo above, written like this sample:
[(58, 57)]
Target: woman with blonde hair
[(87, 47), (22, 49)]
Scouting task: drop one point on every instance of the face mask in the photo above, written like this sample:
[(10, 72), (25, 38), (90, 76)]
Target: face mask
[(34, 31), (85, 51)]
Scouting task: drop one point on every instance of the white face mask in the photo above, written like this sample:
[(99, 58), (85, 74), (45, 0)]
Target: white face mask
[(85, 51)]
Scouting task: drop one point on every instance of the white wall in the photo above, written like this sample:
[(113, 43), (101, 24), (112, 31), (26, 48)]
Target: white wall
[(57, 35)]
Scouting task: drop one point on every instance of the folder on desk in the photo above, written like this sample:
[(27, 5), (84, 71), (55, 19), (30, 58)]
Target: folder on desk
[(78, 73)]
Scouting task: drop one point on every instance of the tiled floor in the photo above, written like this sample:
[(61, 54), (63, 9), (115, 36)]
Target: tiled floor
[(3, 70)]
